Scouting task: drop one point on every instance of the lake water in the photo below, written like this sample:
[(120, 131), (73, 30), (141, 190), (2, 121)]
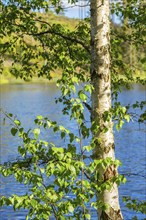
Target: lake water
[(29, 100)]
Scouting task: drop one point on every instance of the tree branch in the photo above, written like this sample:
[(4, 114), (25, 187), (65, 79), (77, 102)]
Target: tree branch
[(75, 40)]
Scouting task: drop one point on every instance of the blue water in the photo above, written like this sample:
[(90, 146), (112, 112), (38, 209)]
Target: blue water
[(29, 100)]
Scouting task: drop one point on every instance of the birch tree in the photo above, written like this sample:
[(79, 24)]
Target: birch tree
[(101, 101)]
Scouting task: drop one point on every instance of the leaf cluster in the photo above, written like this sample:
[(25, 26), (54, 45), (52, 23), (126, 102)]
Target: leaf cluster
[(61, 180)]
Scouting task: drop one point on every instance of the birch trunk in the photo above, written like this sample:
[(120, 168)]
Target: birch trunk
[(101, 102)]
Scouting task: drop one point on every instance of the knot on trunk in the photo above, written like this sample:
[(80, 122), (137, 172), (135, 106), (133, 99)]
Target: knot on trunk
[(110, 172), (111, 214)]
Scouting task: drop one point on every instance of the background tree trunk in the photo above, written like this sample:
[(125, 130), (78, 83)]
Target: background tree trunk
[(101, 102), (125, 19), (129, 48)]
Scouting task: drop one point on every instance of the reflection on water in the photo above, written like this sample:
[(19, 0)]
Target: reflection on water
[(28, 100)]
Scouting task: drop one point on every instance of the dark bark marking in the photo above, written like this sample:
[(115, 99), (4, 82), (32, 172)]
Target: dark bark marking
[(112, 215), (110, 172)]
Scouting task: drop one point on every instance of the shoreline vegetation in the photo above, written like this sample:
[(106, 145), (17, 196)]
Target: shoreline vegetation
[(9, 79)]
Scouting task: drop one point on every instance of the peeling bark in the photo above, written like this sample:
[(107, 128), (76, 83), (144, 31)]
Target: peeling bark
[(101, 102)]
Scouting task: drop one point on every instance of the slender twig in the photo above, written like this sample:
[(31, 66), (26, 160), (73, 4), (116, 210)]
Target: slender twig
[(44, 22), (7, 115), (54, 211), (87, 176), (134, 174)]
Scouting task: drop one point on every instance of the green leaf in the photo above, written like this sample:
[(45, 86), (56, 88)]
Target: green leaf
[(61, 128), (72, 137), (36, 132), (70, 208), (88, 148), (88, 88), (119, 125), (55, 129), (22, 151), (124, 180), (75, 79), (42, 170), (34, 203), (124, 109), (65, 92), (27, 217), (40, 117), (127, 118), (82, 96), (17, 122), (88, 216), (14, 131), (63, 134), (49, 124)]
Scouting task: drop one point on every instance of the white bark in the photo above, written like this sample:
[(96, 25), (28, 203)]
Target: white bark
[(101, 102)]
